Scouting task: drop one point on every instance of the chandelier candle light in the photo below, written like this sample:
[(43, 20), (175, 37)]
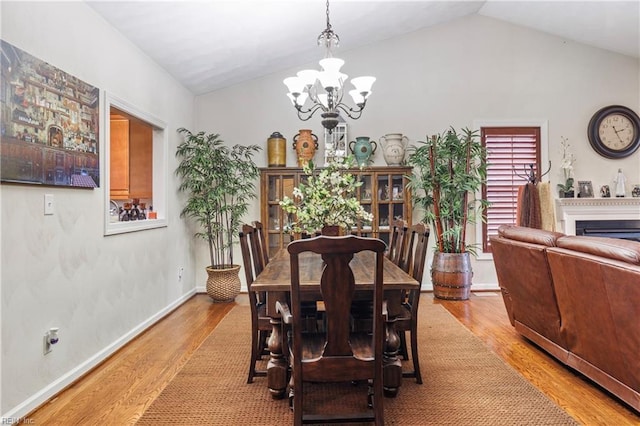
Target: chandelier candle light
[(323, 90)]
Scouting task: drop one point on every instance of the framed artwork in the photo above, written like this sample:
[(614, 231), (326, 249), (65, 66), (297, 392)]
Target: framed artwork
[(335, 143), (585, 189), (49, 133)]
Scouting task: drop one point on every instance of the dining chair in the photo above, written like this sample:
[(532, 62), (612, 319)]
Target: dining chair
[(414, 261), (260, 321), (262, 243), (360, 312), (337, 354), (397, 242)]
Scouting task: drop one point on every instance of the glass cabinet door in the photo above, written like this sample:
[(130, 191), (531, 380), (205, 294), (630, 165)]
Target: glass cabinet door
[(365, 195), (278, 186)]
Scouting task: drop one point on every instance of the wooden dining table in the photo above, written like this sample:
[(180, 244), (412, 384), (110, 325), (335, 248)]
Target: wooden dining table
[(275, 281)]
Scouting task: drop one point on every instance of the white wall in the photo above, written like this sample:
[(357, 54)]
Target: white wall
[(475, 68), (60, 270)]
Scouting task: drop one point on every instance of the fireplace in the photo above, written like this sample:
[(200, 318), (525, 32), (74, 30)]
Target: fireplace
[(618, 215), (625, 229)]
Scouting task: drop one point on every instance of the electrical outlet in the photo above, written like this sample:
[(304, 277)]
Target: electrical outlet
[(49, 207), (50, 338)]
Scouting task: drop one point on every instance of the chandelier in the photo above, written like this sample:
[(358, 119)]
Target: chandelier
[(324, 90)]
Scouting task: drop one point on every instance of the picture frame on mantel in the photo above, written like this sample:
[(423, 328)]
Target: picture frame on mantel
[(49, 124), (585, 189)]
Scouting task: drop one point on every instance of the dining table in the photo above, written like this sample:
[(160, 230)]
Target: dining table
[(275, 282)]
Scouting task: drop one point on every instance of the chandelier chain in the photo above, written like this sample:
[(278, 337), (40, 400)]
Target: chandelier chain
[(328, 22)]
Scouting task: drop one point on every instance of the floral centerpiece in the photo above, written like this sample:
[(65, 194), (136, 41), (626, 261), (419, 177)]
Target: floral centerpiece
[(566, 188), (327, 198)]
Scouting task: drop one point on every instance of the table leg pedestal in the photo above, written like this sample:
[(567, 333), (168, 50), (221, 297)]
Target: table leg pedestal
[(277, 366), (392, 367)]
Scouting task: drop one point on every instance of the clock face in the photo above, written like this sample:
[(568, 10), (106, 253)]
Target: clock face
[(614, 131)]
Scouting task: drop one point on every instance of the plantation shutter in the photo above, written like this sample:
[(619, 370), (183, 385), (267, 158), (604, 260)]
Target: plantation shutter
[(509, 150)]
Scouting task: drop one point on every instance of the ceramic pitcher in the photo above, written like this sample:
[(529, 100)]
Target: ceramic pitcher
[(362, 149), (305, 145), (394, 146)]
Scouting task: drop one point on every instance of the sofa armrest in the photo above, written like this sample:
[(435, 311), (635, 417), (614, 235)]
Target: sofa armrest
[(529, 235), (610, 248)]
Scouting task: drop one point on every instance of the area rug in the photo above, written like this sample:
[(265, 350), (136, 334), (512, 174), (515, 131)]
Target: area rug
[(464, 384)]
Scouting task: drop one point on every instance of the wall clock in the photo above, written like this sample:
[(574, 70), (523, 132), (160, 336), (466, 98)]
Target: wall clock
[(614, 131)]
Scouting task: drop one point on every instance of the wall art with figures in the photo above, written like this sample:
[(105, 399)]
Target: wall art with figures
[(49, 120)]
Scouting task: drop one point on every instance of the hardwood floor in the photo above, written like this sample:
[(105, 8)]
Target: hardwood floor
[(118, 391)]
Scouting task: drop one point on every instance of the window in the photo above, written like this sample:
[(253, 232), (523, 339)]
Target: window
[(511, 152), (135, 169)]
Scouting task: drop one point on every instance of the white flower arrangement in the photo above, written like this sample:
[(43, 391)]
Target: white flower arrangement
[(327, 198), (566, 165)]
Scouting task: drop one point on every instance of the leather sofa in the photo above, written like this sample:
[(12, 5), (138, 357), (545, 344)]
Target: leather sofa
[(578, 298)]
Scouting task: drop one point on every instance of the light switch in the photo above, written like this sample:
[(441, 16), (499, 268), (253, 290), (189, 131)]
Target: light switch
[(48, 204)]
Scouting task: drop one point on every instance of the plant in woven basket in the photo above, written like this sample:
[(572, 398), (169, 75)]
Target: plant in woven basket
[(220, 183)]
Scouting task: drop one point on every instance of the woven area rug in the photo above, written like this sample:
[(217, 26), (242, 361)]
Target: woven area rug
[(464, 384)]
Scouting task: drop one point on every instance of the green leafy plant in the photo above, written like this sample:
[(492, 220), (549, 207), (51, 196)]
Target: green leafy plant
[(220, 182), (448, 169), (328, 197)]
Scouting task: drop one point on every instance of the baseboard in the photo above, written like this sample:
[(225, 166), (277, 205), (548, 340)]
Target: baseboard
[(72, 376)]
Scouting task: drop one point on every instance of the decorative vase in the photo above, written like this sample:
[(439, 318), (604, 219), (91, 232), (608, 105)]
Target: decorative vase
[(362, 149), (451, 275), (393, 148), (305, 145), (277, 150), (332, 230), (223, 284)]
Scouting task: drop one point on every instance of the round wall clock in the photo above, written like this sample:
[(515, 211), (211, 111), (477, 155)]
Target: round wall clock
[(614, 131)]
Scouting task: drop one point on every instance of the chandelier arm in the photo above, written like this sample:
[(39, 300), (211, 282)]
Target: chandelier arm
[(353, 114), (310, 111), (340, 94), (313, 96)]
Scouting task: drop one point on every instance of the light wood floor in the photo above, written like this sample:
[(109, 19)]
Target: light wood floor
[(119, 390)]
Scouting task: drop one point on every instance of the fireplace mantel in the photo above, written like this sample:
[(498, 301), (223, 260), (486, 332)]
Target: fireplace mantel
[(569, 210)]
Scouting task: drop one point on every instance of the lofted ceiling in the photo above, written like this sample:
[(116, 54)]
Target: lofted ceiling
[(208, 45)]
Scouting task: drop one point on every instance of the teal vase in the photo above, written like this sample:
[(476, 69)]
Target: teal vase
[(363, 148)]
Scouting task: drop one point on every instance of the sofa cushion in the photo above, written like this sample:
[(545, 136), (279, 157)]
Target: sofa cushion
[(611, 248), (529, 235)]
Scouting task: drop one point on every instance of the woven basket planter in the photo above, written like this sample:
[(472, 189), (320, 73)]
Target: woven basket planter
[(223, 284)]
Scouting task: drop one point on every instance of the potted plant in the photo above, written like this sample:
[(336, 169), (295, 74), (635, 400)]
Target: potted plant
[(565, 190), (448, 170), (220, 182), (327, 199)]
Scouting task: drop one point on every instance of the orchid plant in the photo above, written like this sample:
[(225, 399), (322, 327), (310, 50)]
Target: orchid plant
[(567, 166), (326, 198)]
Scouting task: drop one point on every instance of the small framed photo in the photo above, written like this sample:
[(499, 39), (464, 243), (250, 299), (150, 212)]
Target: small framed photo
[(585, 189)]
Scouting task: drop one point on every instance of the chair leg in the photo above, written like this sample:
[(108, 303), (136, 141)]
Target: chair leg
[(263, 346), (414, 355), (378, 407), (403, 345), (255, 354), (257, 345)]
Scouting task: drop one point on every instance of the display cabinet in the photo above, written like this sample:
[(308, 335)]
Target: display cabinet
[(383, 192)]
